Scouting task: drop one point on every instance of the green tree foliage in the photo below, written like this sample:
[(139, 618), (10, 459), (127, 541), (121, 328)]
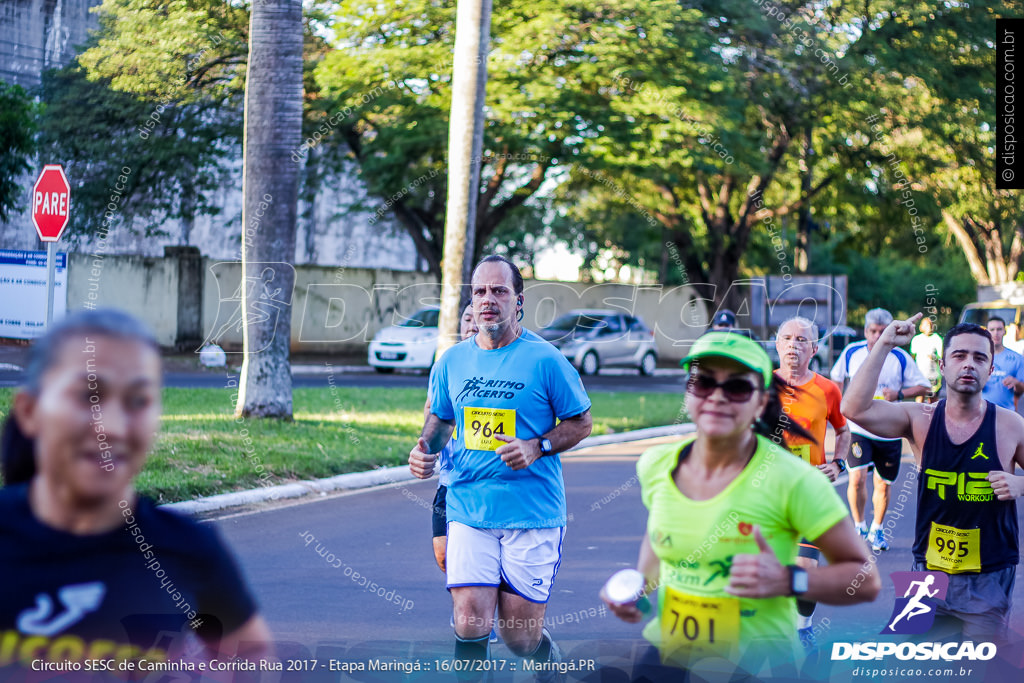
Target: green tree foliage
[(158, 92), (130, 157), (390, 81), (17, 125), (718, 158), (165, 83), (701, 130), (787, 89), (903, 285), (942, 63), (170, 51)]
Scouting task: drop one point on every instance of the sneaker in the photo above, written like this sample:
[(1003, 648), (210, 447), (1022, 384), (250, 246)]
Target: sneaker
[(878, 541), (807, 639), (555, 657), (863, 531)]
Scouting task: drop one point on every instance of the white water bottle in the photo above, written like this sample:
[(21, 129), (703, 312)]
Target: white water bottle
[(626, 587)]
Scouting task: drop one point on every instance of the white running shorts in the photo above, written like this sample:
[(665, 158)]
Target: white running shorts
[(526, 560)]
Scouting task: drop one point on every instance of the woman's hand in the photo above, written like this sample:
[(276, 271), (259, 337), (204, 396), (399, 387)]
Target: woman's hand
[(760, 575), (629, 612)]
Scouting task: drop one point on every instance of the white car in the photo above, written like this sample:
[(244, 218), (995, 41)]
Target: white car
[(409, 345)]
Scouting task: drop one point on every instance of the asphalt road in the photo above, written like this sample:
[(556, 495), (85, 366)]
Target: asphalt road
[(306, 563)]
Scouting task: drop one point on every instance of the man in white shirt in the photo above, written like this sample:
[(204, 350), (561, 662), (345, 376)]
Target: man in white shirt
[(900, 378), (927, 351)]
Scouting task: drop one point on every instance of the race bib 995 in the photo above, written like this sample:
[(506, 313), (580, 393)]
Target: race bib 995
[(952, 550)]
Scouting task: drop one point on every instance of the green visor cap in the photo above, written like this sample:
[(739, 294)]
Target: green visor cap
[(735, 346)]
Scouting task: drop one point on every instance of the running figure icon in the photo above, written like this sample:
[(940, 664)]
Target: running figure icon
[(915, 607)]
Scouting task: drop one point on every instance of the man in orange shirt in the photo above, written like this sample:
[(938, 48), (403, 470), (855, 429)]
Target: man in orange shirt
[(811, 401)]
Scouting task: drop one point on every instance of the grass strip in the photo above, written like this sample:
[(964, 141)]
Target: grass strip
[(203, 450)]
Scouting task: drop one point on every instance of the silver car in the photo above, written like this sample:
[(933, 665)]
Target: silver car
[(600, 338)]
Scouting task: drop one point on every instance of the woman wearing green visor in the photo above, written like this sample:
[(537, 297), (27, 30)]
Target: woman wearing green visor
[(726, 508)]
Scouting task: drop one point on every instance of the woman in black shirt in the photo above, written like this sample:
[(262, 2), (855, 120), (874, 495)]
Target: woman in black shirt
[(91, 570)]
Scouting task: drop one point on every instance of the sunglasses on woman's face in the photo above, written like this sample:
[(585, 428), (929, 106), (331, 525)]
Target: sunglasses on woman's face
[(736, 389)]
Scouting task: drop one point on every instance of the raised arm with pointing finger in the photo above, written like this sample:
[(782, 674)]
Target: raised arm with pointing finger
[(883, 418), (967, 449)]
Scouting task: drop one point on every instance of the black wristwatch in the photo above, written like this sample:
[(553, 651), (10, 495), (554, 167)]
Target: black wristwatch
[(545, 447), (797, 580), (899, 395), (841, 464)]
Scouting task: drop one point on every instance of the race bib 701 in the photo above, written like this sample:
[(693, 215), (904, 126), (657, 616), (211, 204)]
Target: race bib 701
[(480, 425), (692, 624)]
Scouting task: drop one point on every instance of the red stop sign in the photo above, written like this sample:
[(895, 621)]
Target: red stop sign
[(51, 203)]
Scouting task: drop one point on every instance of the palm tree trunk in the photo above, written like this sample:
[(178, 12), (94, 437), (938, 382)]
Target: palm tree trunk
[(270, 186), (465, 147)]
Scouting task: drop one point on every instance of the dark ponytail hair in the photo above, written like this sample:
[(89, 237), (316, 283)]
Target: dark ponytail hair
[(17, 451), (18, 462), (775, 423)]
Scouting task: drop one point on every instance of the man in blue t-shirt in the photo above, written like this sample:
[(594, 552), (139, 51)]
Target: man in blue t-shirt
[(1007, 379), (516, 403)]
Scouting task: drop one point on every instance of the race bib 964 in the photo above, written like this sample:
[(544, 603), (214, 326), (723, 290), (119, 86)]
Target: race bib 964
[(482, 424)]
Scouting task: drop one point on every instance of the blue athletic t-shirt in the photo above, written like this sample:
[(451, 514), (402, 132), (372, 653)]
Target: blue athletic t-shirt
[(518, 390), (1005, 363)]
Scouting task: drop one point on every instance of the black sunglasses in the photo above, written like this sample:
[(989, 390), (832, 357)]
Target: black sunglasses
[(736, 389)]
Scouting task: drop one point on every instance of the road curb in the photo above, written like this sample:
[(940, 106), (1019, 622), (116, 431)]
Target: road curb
[(635, 435), (378, 477)]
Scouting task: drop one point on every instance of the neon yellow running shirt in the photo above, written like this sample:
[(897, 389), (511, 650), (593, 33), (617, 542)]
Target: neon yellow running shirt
[(696, 541)]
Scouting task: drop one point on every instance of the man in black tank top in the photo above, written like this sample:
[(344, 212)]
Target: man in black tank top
[(966, 507)]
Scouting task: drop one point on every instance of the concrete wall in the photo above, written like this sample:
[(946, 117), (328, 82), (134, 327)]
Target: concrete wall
[(337, 309), (333, 309), (41, 34), (144, 287)]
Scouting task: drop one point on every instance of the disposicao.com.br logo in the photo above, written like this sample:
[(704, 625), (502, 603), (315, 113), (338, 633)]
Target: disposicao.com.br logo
[(947, 652), (917, 594)]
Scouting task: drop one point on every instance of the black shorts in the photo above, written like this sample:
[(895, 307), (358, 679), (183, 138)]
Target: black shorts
[(884, 456), (808, 550), (439, 516)]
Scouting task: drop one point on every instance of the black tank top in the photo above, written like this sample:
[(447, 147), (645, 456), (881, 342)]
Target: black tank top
[(960, 522)]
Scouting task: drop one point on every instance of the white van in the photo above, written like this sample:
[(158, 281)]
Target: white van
[(980, 311)]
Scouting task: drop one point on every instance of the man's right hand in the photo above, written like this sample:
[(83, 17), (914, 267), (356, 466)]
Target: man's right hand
[(421, 463), (900, 332)]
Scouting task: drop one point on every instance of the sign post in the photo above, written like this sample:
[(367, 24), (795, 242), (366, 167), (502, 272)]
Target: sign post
[(51, 208)]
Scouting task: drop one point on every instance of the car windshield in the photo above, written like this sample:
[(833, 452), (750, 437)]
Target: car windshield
[(425, 318), (980, 316), (574, 320)]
